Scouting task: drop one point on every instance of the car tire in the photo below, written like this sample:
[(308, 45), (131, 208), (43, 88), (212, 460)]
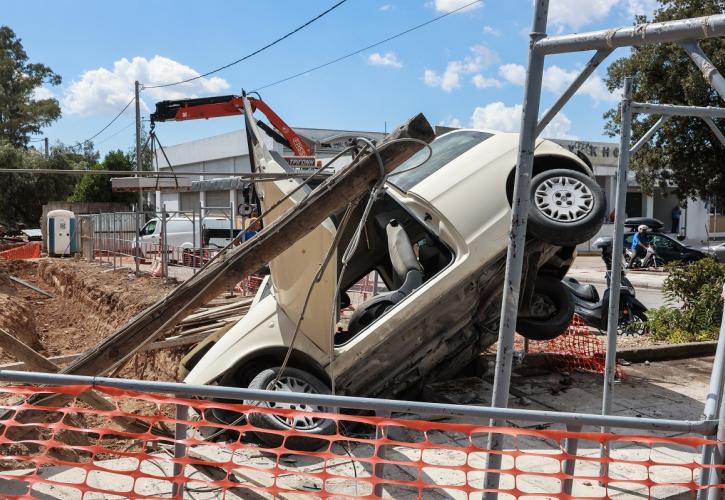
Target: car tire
[(567, 207), (292, 380), (548, 325)]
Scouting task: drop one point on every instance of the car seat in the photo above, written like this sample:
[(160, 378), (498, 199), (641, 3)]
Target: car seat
[(406, 268)]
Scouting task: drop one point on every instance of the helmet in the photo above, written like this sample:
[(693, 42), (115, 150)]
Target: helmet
[(642, 228)]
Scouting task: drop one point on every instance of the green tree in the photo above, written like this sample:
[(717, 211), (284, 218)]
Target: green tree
[(684, 157), (97, 188), (23, 195), (21, 115)]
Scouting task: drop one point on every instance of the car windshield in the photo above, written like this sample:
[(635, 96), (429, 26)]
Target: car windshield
[(445, 149)]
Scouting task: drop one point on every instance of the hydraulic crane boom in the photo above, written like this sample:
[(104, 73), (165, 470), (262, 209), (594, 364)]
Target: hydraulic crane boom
[(230, 105)]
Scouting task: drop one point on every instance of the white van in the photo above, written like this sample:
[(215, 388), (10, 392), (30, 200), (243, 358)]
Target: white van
[(182, 233)]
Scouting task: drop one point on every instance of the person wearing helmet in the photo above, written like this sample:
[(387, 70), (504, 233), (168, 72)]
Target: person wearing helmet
[(639, 240)]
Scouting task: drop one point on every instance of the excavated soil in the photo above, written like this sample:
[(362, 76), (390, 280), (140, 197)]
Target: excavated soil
[(88, 304)]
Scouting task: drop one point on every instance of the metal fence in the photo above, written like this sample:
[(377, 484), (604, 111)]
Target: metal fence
[(171, 440), (128, 239)]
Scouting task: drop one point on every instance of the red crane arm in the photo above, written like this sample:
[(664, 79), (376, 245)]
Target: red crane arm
[(213, 107)]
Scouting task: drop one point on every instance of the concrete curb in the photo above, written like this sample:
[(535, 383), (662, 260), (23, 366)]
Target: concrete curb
[(602, 281), (637, 354)]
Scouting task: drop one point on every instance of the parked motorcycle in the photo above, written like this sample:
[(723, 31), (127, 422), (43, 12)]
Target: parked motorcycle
[(595, 310)]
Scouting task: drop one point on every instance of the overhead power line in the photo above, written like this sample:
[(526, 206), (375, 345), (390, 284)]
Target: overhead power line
[(116, 133), (275, 42), (109, 123), (368, 47)]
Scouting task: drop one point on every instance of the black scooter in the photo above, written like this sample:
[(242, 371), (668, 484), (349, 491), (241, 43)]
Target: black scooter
[(595, 310)]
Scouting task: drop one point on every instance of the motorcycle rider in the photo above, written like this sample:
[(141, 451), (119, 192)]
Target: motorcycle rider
[(640, 240)]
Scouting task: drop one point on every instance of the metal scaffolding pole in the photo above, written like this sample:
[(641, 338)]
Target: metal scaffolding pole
[(517, 240), (650, 133), (697, 28), (617, 250), (709, 71), (139, 201), (593, 63), (715, 130), (675, 110)]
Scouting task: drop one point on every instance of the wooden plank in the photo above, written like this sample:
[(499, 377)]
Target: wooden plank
[(178, 341), (32, 287), (236, 263)]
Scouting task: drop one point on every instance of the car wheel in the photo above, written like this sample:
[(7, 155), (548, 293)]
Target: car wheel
[(551, 308), (292, 380), (567, 207)]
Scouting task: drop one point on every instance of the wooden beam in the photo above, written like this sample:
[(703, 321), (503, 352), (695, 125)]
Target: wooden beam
[(68, 358), (32, 287), (236, 263)]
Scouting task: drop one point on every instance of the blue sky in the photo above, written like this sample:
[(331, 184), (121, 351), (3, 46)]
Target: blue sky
[(466, 69)]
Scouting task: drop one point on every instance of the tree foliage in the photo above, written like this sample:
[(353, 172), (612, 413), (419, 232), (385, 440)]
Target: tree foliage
[(685, 156), (21, 114), (22, 196), (697, 287), (97, 188)]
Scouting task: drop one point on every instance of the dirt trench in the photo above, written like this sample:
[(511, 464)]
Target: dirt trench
[(88, 304)]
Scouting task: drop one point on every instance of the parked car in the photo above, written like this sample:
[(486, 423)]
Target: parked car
[(667, 248), (717, 252), (437, 238)]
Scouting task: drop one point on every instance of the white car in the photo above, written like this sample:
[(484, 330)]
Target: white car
[(437, 239)]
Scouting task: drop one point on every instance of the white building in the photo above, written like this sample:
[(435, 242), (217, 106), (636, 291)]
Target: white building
[(228, 153)]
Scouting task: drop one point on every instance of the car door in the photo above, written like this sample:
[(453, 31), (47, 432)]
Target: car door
[(293, 271), (667, 248)]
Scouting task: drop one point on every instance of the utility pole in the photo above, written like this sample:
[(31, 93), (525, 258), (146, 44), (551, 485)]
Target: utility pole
[(139, 203), (47, 154)]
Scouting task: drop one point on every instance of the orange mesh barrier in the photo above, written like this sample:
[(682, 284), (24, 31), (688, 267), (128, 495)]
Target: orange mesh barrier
[(577, 349), (361, 457), (29, 251)]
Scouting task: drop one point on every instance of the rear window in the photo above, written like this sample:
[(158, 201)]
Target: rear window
[(445, 149)]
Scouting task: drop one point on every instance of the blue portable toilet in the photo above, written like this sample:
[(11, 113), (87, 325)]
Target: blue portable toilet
[(61, 233)]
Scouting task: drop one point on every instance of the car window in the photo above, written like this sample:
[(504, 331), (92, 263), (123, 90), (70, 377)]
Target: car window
[(149, 228), (445, 149), (663, 242)]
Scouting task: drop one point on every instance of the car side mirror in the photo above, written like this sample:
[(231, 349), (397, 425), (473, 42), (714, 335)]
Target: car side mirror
[(680, 237)]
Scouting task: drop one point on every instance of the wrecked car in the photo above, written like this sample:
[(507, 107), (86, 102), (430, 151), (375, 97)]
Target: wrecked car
[(437, 240)]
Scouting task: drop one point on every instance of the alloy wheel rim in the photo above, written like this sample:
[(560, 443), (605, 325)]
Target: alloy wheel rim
[(299, 422), (564, 199)]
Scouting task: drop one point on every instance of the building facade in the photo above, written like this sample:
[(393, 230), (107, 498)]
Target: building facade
[(217, 157)]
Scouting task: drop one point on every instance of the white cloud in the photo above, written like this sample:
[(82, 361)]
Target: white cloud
[(481, 57), (556, 79), (639, 7), (574, 14), (451, 5), (488, 30), (497, 116), (105, 90), (482, 82), (386, 7), (389, 59), (513, 73), (41, 93), (451, 122)]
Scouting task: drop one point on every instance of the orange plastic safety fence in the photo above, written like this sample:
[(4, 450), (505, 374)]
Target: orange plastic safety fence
[(29, 251), (359, 457), (578, 349)]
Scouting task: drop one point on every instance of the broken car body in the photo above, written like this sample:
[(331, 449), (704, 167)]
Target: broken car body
[(437, 238)]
